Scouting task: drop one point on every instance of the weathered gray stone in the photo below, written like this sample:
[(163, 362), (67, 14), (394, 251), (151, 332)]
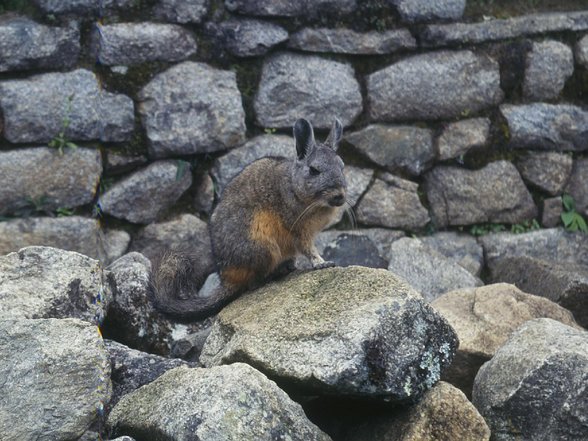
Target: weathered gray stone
[(425, 10), (44, 282), (347, 41), (428, 271), (392, 202), (484, 318), (444, 413), (458, 137), (73, 233), (549, 171), (406, 148), (461, 248), (133, 320), (547, 126), (534, 388), (492, 30), (38, 108), (117, 162), (423, 87), (249, 38), (229, 165), (223, 403), (292, 85), (582, 52), (204, 194), (551, 212), (342, 331), (381, 237), (354, 249), (181, 11), (145, 195), (290, 8), (578, 185), (91, 8), (463, 197), (548, 66), (57, 380), (134, 43), (192, 108), (25, 44), (563, 283), (43, 179)]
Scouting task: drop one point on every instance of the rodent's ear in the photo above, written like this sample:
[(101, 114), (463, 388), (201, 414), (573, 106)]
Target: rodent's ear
[(304, 136), (335, 135)]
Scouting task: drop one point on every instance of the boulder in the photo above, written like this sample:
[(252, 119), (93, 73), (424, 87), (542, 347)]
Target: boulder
[(426, 270), (72, 233), (392, 202), (42, 179), (484, 318), (423, 87), (551, 212), (222, 403), (134, 43), (57, 380), (405, 148), (26, 44), (582, 52), (85, 8), (44, 282), (181, 11), (534, 388), (39, 108), (548, 171), (461, 248), (577, 186), (290, 8), (355, 332), (413, 11), (250, 38), (192, 108), (145, 195), (563, 283), (560, 127), (455, 194), (443, 413), (459, 137), (292, 85), (382, 238), (354, 249), (347, 41), (549, 64)]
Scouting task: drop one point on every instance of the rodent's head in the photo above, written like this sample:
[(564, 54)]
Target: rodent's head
[(318, 170)]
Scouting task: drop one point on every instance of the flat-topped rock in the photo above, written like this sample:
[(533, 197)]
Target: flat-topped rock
[(289, 8), (424, 10), (249, 38)]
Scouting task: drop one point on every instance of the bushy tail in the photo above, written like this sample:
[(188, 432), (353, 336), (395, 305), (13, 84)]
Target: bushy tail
[(174, 283)]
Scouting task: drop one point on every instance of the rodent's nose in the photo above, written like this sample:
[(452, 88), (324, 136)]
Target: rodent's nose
[(337, 201)]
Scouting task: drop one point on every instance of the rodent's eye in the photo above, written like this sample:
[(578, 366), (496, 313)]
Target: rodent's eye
[(314, 171)]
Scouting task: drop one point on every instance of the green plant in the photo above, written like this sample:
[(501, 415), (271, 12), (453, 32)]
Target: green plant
[(60, 140), (572, 220), (483, 229), (183, 166), (269, 130), (525, 227), (64, 212)]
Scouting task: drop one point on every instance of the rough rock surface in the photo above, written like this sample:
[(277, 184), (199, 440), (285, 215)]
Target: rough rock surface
[(57, 381), (181, 11), (143, 196), (492, 30), (347, 41), (461, 248), (484, 318), (293, 84), (549, 171), (192, 108), (548, 66), (381, 237), (392, 202), (289, 8), (41, 178), (425, 10), (455, 195), (458, 137), (354, 249), (37, 108), (404, 148), (338, 330), (559, 127), (423, 86), (223, 403), (534, 388), (582, 52), (551, 212), (25, 44), (578, 185), (134, 43), (444, 413), (564, 283), (73, 233), (43, 282), (87, 8), (250, 38), (426, 270)]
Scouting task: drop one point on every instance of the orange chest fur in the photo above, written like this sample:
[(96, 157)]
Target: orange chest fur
[(268, 229)]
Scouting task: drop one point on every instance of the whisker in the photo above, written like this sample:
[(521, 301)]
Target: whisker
[(312, 205), (351, 214)]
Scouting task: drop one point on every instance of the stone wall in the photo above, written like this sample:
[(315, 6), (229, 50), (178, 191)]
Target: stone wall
[(134, 112)]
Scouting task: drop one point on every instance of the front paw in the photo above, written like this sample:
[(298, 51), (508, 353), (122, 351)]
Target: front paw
[(323, 265)]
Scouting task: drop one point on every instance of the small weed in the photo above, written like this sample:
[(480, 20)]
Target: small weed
[(483, 229), (64, 212), (183, 166), (525, 227), (60, 141), (270, 131), (572, 220)]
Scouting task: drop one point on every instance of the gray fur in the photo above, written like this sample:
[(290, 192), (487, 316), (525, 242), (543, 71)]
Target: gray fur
[(302, 193)]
